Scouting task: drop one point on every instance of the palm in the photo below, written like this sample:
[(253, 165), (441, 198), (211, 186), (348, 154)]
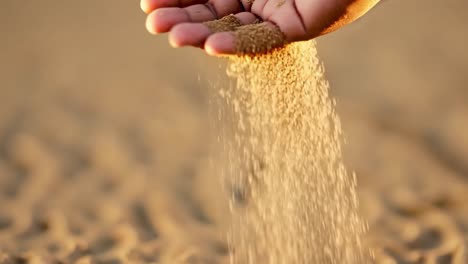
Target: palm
[(184, 19)]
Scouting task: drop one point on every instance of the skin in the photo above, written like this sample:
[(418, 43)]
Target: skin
[(297, 19)]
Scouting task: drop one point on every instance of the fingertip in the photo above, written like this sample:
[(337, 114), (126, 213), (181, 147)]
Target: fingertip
[(177, 36), (220, 44), (152, 24), (145, 6), (212, 51), (174, 41)]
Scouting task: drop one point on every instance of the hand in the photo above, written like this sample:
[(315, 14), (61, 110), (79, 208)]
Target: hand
[(186, 20)]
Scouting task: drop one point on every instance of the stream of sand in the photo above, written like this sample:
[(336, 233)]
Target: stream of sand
[(285, 159)]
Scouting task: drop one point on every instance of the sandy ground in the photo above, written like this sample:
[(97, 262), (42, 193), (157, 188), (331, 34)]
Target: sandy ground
[(105, 134)]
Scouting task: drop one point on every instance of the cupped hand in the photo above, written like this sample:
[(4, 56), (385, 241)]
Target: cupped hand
[(185, 20)]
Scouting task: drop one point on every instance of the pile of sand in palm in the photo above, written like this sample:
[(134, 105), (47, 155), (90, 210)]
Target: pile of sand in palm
[(285, 158)]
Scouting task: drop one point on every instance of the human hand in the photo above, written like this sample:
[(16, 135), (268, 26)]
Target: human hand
[(209, 24)]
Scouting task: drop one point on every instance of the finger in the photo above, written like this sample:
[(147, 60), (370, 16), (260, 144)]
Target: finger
[(163, 19), (189, 34), (249, 39), (195, 34), (150, 5)]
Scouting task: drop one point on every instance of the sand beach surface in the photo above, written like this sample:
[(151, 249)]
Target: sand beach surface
[(106, 132)]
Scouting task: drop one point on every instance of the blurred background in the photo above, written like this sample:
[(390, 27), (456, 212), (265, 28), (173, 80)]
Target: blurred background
[(105, 134)]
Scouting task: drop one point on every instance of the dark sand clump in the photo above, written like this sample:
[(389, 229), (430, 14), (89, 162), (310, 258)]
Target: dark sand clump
[(227, 23), (254, 38), (258, 38)]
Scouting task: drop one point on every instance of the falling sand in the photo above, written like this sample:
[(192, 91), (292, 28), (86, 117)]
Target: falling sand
[(293, 200)]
